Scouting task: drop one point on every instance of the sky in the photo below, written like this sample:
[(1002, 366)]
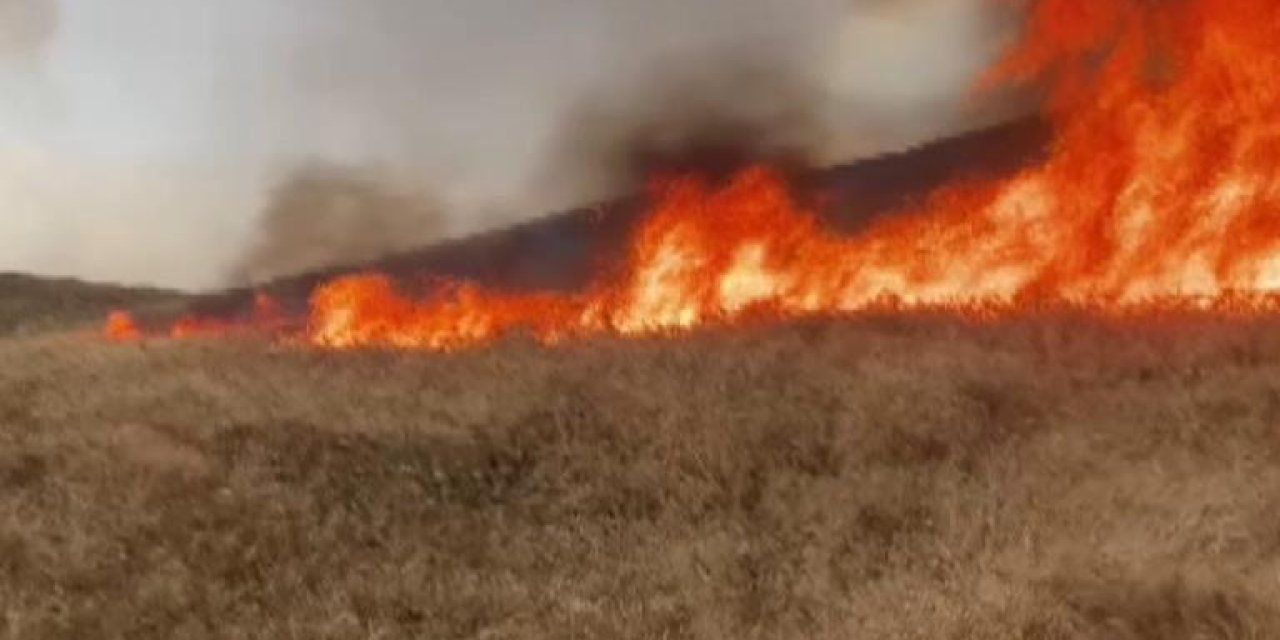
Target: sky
[(139, 138)]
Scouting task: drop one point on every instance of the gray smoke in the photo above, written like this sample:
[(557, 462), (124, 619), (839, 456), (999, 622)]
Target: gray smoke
[(175, 118), (325, 215), (790, 84), (709, 118), (26, 26)]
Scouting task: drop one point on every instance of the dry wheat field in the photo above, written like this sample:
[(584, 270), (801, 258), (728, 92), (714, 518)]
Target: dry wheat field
[(1046, 478)]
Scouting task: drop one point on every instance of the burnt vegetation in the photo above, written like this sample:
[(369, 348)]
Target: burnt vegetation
[(900, 478)]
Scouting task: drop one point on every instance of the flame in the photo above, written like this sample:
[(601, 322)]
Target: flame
[(1160, 191), (267, 315), (121, 327)]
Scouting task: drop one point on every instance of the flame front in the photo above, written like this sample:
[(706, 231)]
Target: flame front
[(1161, 189)]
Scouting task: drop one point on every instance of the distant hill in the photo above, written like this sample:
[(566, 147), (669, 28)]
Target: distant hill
[(30, 304), (563, 251)]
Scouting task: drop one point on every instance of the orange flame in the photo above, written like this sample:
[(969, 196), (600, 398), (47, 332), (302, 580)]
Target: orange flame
[(267, 316), (121, 327), (1161, 190)]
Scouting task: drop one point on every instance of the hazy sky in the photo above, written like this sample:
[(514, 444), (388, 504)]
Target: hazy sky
[(137, 136)]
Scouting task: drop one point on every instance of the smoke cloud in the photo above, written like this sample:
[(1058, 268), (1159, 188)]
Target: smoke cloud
[(325, 215), (803, 84), (26, 26), (174, 120), (711, 119)]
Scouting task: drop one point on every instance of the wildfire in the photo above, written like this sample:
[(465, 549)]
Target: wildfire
[(267, 317), (121, 327), (1161, 190)]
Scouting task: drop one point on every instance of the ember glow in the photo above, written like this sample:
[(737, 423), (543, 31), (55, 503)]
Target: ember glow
[(1161, 190)]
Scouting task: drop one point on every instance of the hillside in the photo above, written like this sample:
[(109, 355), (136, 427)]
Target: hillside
[(894, 478), (29, 304), (565, 251)]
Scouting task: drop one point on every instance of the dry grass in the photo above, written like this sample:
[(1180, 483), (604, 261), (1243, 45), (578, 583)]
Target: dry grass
[(914, 479)]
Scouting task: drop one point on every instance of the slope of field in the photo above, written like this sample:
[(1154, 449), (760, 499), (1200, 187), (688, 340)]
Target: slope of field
[(568, 251), (907, 478), (30, 305)]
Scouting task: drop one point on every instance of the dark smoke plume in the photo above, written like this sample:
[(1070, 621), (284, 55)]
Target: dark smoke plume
[(326, 215), (768, 96), (711, 118)]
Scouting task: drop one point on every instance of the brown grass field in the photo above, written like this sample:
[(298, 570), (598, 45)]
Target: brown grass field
[(881, 478)]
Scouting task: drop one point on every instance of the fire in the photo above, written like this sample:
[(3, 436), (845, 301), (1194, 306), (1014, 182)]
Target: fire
[(1161, 190), (267, 317), (1163, 168), (121, 327)]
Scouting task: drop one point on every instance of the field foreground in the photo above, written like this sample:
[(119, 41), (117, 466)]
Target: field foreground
[(874, 479)]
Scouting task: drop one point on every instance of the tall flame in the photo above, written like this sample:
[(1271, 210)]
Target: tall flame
[(1161, 188)]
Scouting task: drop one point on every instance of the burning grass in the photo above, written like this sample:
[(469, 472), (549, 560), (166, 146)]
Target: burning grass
[(1159, 184), (891, 478), (1031, 476)]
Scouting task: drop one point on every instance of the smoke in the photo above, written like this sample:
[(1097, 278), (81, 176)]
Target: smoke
[(66, 215), (905, 70), (324, 215), (26, 26), (176, 118), (711, 119), (801, 84), (517, 108)]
